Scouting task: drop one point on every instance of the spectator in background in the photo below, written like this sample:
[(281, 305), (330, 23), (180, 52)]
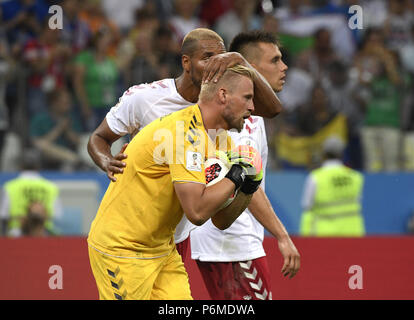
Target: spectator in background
[(407, 126), (241, 17), (55, 133), (270, 24), (96, 80), (75, 32), (185, 18), (45, 58), (146, 19), (407, 60), (211, 10), (30, 203), (315, 115), (316, 59), (168, 53), (136, 48), (300, 140), (293, 9), (381, 132), (407, 53), (6, 65), (345, 96), (22, 19), (296, 93), (375, 13), (339, 8), (94, 16), (328, 7), (397, 28), (144, 67), (298, 86), (122, 15), (332, 197)]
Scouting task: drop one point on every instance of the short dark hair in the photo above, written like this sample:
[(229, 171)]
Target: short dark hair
[(190, 42), (244, 39)]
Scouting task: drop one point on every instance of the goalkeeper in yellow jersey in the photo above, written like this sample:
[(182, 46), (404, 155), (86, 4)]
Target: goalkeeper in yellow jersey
[(131, 245)]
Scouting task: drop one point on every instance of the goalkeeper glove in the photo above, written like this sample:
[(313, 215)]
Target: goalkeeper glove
[(250, 186), (249, 158), (236, 173)]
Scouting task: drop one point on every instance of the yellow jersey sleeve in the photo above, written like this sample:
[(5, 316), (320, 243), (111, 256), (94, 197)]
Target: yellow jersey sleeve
[(192, 170), (188, 164), (198, 147)]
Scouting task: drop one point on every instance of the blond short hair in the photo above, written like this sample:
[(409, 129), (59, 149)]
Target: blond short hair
[(229, 77)]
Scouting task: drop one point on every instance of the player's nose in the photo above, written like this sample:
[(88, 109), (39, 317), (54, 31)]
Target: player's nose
[(284, 67), (250, 106)]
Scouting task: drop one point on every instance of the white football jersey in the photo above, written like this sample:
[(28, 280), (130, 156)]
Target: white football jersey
[(140, 105), (243, 240)]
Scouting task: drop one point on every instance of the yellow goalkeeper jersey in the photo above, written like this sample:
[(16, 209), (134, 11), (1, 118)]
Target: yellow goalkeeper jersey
[(140, 211)]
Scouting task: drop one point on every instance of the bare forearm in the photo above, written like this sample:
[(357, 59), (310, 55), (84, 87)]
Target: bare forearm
[(100, 150), (225, 217), (212, 198), (266, 102), (199, 202), (262, 210)]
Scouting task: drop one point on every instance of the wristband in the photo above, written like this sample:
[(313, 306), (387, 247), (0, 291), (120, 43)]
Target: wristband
[(250, 186), (237, 175)]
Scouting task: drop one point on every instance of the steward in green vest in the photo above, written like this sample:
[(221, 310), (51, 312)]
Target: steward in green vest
[(332, 197), (30, 202), (24, 191)]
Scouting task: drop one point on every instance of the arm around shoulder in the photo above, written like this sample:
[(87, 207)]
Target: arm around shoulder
[(266, 102)]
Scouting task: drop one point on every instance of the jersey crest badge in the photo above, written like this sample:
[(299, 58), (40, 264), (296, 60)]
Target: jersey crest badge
[(193, 161)]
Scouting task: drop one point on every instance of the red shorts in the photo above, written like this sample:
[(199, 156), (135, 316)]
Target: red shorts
[(245, 280), (182, 248)]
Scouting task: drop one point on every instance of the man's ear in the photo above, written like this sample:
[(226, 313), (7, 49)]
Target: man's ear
[(186, 63), (222, 95)]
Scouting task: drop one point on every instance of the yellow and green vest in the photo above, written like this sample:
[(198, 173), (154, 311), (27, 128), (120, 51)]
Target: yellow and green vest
[(23, 191), (337, 204)]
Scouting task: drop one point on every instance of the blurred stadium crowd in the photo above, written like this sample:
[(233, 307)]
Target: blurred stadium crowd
[(56, 85)]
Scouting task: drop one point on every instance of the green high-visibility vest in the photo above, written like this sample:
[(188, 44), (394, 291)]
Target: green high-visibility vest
[(337, 204), (22, 192)]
